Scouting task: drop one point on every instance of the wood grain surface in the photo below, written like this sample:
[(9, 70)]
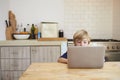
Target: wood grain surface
[(59, 71), (52, 39)]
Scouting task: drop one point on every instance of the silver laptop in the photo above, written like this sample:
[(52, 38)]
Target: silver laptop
[(86, 57)]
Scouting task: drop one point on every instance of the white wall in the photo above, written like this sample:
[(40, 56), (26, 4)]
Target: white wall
[(116, 19), (36, 11), (96, 16), (4, 7)]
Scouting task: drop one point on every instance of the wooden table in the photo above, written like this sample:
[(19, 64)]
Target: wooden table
[(59, 71)]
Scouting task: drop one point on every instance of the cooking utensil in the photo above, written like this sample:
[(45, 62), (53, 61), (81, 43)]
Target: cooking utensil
[(6, 23)]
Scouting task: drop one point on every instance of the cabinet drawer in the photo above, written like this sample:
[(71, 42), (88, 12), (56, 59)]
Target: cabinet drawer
[(14, 64), (10, 75), (45, 53), (0, 75), (15, 52)]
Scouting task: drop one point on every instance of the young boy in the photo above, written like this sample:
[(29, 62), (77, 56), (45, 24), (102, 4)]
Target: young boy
[(80, 38)]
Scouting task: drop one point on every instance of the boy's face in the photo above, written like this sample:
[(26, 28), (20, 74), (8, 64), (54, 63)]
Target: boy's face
[(83, 42)]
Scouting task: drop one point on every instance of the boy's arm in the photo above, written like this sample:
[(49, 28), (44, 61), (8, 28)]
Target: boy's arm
[(63, 60)]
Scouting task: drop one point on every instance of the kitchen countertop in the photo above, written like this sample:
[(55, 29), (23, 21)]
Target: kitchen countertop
[(60, 71), (30, 42)]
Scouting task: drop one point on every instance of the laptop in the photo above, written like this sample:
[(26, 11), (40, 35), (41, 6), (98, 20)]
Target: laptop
[(86, 56)]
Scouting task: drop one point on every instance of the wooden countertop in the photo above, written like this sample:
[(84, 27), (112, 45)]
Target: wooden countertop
[(42, 41), (59, 71)]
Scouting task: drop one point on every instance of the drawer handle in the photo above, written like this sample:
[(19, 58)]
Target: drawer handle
[(15, 65), (14, 53)]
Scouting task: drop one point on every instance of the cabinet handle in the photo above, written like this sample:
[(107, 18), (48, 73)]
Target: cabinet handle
[(15, 65), (33, 51), (14, 53)]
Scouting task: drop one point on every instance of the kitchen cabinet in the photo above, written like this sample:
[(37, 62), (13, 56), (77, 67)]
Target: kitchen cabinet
[(45, 53), (0, 63), (14, 60), (17, 55)]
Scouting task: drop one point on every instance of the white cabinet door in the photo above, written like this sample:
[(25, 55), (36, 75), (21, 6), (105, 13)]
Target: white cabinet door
[(45, 53)]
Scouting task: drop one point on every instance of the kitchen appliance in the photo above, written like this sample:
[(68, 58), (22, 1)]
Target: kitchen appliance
[(112, 47)]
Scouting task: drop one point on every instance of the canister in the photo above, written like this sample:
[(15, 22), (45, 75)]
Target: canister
[(61, 33)]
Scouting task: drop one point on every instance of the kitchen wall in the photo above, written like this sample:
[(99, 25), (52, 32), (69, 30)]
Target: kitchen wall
[(116, 19), (93, 15), (99, 17), (4, 6), (36, 11)]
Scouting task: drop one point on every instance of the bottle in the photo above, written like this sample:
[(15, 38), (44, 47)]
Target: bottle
[(39, 32), (36, 31), (39, 35), (24, 29), (21, 27), (18, 28), (32, 32), (61, 33), (28, 28)]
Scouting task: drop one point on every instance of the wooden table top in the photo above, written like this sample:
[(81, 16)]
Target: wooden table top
[(60, 71)]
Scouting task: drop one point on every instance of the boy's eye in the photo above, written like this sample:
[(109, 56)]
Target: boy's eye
[(84, 42)]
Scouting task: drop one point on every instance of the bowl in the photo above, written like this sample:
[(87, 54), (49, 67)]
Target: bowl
[(21, 36)]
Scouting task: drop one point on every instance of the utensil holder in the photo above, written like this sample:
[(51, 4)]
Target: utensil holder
[(9, 32)]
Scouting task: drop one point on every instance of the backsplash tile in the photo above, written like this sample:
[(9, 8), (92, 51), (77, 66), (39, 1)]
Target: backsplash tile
[(116, 19), (95, 16)]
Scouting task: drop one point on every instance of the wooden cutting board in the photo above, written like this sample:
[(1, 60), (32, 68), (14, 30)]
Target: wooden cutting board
[(52, 39)]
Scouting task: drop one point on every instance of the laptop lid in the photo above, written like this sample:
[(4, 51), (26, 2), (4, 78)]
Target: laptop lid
[(86, 56)]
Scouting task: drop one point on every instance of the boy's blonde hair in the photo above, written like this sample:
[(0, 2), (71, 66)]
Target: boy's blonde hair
[(80, 35)]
